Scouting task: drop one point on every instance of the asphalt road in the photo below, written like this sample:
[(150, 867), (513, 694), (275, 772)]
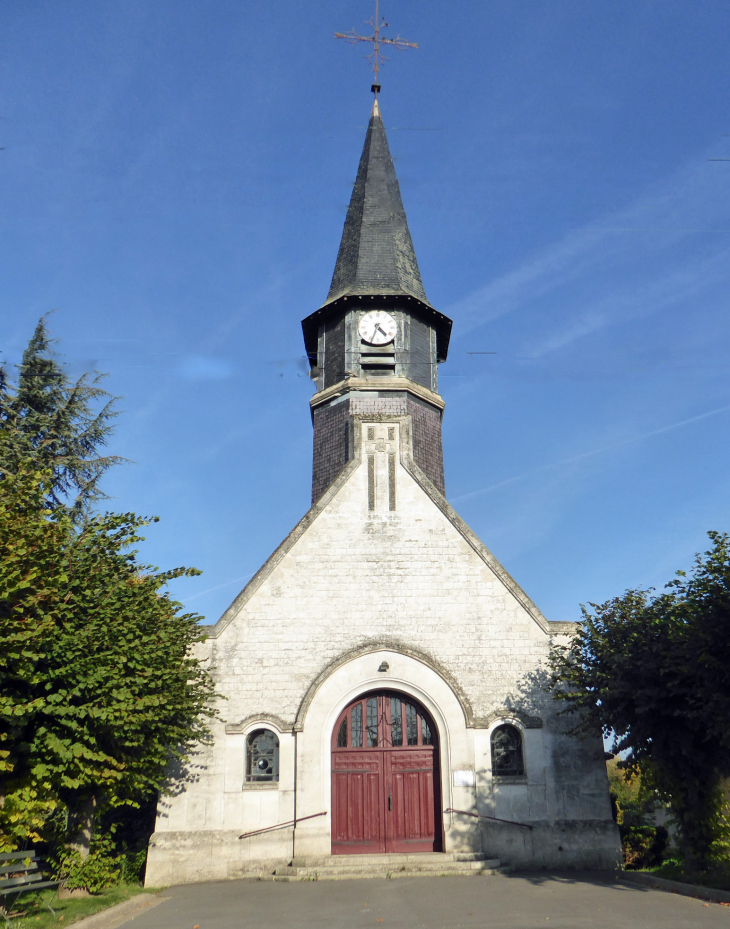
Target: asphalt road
[(519, 901)]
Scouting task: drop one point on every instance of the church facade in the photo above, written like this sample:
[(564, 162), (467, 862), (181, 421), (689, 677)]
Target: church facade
[(383, 673)]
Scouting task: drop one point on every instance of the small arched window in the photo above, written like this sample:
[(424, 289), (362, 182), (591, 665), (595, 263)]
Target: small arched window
[(262, 756), (507, 759)]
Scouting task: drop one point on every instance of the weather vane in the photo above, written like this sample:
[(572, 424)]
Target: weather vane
[(376, 40)]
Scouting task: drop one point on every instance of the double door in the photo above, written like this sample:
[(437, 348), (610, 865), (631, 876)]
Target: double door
[(385, 792)]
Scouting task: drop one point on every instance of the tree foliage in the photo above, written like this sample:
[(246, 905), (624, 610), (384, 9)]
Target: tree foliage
[(634, 808), (652, 671), (100, 690), (58, 423)]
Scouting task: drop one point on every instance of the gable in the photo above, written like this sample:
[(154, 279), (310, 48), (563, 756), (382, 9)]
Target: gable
[(358, 552)]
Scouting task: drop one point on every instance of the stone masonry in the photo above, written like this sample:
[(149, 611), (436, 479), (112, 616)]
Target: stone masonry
[(332, 439), (347, 587)]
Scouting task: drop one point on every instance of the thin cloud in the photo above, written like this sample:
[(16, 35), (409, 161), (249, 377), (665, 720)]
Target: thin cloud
[(202, 593), (589, 454), (683, 285), (684, 208)]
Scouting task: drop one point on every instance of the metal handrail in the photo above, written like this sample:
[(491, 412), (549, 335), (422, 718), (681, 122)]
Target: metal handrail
[(495, 819), (292, 822)]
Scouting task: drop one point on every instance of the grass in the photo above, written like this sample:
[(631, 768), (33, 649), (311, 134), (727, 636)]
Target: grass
[(31, 910), (717, 877)]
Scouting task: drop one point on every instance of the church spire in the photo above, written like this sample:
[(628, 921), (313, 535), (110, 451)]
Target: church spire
[(375, 344), (376, 255)]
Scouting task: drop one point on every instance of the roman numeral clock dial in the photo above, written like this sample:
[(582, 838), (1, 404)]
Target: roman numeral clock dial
[(377, 328)]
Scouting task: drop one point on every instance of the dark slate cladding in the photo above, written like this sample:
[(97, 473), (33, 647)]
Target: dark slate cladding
[(427, 448), (421, 357), (331, 427), (334, 350), (376, 253), (332, 438)]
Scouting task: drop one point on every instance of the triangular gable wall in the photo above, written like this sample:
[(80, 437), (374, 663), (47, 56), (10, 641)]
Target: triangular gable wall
[(439, 501)]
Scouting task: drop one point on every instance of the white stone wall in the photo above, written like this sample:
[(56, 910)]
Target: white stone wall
[(349, 587)]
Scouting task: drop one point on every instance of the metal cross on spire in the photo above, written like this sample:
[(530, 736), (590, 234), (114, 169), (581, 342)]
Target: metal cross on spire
[(376, 40)]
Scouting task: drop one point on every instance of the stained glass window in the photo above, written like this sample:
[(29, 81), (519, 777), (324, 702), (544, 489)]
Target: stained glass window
[(357, 726), (262, 756), (342, 734), (411, 724), (507, 751), (372, 710), (383, 720), (396, 722)]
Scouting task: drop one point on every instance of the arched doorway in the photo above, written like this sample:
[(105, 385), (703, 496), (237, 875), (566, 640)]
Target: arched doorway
[(385, 777)]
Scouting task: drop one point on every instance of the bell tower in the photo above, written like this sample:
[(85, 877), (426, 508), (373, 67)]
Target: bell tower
[(375, 343)]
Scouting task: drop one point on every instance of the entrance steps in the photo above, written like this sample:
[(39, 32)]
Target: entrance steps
[(424, 864)]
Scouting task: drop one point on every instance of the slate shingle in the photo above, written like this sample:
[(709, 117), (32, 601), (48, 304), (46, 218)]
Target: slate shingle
[(376, 253)]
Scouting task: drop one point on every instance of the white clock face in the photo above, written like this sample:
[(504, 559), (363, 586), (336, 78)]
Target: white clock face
[(377, 328)]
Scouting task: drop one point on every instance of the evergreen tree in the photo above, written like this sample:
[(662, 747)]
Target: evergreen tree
[(100, 688), (58, 423)]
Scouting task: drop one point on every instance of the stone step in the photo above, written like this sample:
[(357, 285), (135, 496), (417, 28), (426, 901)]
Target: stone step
[(326, 874), (404, 866), (384, 870), (386, 859), (352, 867)]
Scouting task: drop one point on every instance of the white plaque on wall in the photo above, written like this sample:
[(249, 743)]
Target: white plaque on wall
[(464, 779)]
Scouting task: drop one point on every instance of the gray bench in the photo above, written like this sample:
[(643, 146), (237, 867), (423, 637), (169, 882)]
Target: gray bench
[(20, 873)]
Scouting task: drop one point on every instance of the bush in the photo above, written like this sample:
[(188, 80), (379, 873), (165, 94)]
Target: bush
[(643, 843), (103, 867), (643, 846), (118, 850)]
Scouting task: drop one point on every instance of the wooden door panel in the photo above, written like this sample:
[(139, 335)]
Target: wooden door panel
[(385, 779), (427, 791), (340, 801), (357, 803), (413, 826), (409, 788), (412, 759), (358, 762)]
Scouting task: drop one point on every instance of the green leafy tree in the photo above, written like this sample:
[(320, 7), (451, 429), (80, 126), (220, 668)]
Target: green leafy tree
[(635, 808), (58, 423), (100, 690), (653, 672)]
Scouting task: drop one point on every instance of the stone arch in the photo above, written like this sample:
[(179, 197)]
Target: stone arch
[(378, 645), (506, 714), (266, 720), (358, 671)]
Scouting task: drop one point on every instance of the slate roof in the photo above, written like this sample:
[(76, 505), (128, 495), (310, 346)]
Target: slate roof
[(376, 255)]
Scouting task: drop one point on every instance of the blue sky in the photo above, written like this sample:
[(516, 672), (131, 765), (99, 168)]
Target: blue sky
[(175, 176)]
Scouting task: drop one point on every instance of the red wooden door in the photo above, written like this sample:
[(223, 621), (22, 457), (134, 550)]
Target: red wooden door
[(409, 782), (385, 788), (357, 803)]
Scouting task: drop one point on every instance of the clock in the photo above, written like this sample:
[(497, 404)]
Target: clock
[(377, 328)]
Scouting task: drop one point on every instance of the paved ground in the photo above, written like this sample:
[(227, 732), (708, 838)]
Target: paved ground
[(520, 901)]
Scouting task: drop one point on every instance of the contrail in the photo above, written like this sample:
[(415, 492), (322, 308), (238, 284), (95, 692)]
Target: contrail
[(218, 587), (595, 451)]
